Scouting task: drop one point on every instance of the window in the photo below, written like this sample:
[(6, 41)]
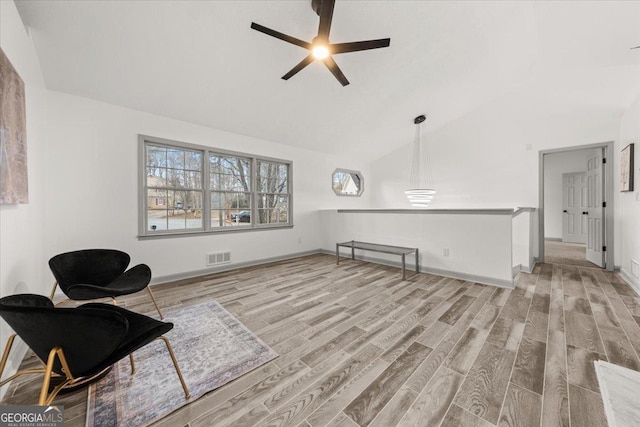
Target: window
[(241, 191), (174, 175), (230, 190), (347, 183), (273, 192)]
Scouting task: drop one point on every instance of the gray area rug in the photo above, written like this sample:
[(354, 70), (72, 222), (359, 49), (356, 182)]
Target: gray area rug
[(212, 348)]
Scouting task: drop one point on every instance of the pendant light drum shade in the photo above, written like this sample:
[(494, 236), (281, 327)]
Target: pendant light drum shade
[(421, 192), (420, 197)]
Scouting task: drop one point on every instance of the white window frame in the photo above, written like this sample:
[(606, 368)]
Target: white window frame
[(144, 232)]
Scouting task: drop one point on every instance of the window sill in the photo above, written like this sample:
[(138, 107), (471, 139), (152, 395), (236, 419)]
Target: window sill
[(211, 232)]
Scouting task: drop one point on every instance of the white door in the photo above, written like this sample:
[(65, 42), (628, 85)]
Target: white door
[(595, 210), (574, 207)]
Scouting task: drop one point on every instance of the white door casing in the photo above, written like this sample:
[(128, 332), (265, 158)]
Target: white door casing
[(595, 228), (574, 207)]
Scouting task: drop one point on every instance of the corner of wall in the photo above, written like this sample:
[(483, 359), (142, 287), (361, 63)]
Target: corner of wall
[(22, 262)]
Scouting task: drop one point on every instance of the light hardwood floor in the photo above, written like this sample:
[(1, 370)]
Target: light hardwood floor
[(566, 253), (359, 346)]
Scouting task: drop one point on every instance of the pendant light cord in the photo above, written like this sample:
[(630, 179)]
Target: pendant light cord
[(421, 170), (414, 180)]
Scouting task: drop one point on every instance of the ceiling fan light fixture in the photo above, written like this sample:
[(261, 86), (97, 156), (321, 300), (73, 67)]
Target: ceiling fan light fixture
[(320, 48), (320, 51)]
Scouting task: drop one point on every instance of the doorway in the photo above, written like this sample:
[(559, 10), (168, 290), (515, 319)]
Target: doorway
[(575, 192), (556, 252), (575, 197)]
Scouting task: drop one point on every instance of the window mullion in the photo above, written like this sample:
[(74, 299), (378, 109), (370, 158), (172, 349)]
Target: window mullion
[(254, 190), (206, 190)]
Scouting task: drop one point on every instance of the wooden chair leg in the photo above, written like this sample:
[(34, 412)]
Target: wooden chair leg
[(133, 366), (5, 355), (175, 363), (3, 364), (53, 291), (45, 397), (155, 302)]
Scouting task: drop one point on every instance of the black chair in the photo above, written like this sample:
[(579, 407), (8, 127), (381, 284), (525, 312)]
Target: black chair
[(78, 345), (99, 273)]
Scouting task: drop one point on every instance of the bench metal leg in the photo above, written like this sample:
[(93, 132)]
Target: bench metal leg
[(353, 253), (403, 270), (337, 254), (417, 262)]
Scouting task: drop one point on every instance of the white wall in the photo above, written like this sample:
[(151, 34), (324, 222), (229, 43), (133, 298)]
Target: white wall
[(482, 160), (479, 244), (628, 206), (93, 195), (22, 259), (556, 164), (522, 241), (489, 158)]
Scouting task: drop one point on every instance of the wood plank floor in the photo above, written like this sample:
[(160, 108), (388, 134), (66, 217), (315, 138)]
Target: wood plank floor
[(360, 346), (566, 253)]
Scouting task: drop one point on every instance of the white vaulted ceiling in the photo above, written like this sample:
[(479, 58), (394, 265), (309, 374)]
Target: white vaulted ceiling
[(200, 62)]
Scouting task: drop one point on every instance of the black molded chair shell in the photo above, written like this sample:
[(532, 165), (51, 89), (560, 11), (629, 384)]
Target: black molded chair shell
[(97, 273), (93, 336)]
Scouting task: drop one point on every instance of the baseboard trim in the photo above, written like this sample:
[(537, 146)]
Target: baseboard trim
[(631, 281), (553, 239), (524, 268), (228, 267), (515, 270), (501, 283)]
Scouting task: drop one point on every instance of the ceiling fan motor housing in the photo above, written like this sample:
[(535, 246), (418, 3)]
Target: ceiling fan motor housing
[(316, 5)]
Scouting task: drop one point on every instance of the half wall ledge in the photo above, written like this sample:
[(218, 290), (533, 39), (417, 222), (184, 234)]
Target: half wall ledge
[(433, 211), (488, 245)]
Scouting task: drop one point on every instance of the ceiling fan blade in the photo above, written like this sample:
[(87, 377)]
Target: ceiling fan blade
[(335, 70), (281, 36), (356, 46), (306, 61), (637, 47), (326, 15)]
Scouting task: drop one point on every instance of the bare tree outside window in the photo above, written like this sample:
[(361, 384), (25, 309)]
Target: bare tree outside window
[(273, 193), (174, 189), (189, 188), (231, 190)]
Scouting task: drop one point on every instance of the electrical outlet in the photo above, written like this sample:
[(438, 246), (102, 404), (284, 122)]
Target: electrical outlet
[(445, 252)]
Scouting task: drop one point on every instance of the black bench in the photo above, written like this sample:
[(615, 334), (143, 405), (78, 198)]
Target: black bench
[(375, 247)]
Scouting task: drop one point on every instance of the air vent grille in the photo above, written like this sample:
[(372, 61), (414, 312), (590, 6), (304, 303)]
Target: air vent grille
[(217, 258)]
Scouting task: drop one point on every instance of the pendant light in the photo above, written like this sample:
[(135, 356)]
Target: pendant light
[(421, 192)]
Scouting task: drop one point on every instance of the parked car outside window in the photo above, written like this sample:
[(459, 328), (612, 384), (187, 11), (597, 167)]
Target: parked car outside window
[(242, 216)]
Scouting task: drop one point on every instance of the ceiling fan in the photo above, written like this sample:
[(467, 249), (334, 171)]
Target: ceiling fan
[(320, 48)]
